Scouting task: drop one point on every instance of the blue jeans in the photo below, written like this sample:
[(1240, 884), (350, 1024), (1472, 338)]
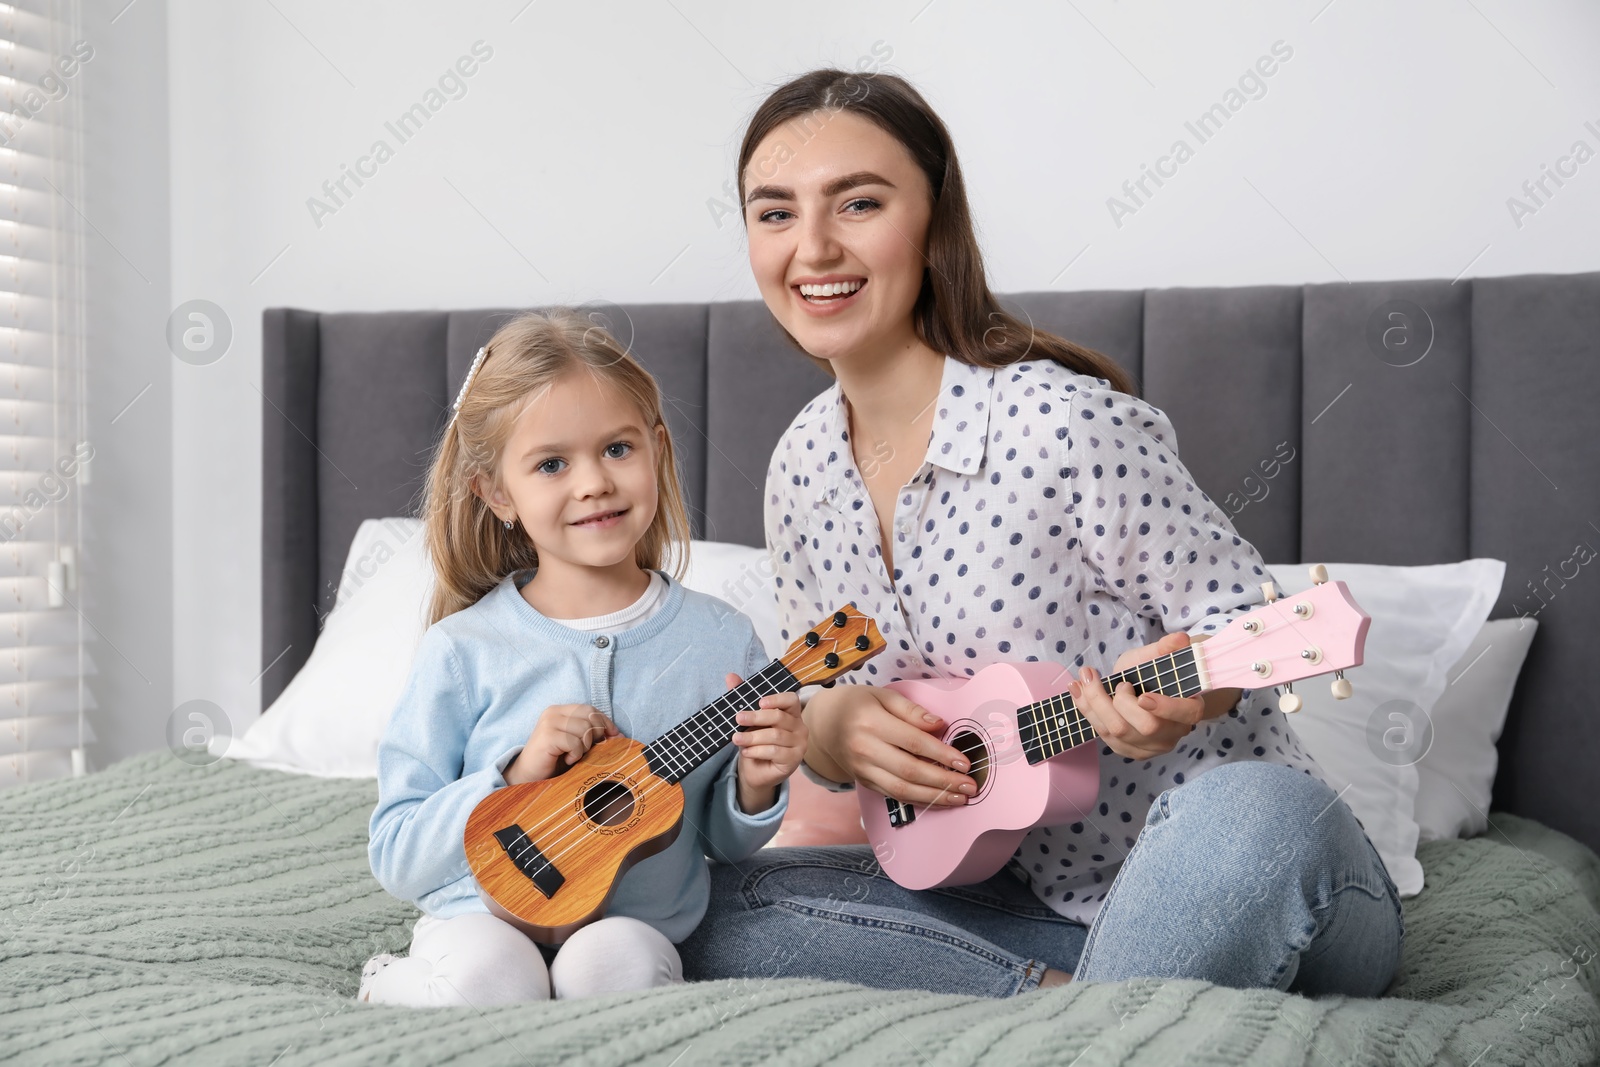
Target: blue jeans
[(1251, 875)]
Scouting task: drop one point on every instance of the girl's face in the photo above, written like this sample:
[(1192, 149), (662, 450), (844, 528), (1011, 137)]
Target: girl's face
[(579, 473), (832, 198)]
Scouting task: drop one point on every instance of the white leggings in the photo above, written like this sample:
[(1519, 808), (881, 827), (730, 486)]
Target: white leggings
[(477, 960)]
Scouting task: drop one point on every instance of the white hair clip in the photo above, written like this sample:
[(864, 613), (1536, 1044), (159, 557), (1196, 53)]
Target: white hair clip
[(472, 372)]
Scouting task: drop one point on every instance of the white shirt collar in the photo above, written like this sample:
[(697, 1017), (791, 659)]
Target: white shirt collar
[(960, 437)]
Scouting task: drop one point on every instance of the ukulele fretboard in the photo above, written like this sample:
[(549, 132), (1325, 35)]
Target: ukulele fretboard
[(1052, 726), (702, 735)]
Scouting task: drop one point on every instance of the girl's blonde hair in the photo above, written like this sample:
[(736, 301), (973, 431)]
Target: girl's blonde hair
[(472, 551)]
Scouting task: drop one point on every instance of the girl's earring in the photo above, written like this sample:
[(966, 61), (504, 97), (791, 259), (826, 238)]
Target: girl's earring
[(507, 522)]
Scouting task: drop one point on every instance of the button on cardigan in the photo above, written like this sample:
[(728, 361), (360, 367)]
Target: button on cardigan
[(1051, 520)]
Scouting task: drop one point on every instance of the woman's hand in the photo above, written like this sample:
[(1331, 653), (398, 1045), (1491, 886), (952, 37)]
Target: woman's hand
[(771, 747), (885, 741), (562, 735), (1144, 726)]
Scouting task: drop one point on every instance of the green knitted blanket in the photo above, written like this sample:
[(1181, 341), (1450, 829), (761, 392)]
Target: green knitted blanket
[(160, 913)]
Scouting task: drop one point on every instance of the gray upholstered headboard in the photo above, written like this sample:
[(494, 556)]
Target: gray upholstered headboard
[(1483, 444)]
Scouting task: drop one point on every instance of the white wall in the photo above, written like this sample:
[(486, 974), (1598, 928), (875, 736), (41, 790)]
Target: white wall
[(582, 158), (128, 563)]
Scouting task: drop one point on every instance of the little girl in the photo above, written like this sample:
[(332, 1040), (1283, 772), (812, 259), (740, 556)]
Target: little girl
[(550, 506)]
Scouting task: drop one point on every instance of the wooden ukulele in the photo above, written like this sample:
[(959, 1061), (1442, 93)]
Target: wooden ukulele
[(547, 855), (1025, 738)]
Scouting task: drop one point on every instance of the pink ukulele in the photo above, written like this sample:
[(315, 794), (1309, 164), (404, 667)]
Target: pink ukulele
[(1026, 741)]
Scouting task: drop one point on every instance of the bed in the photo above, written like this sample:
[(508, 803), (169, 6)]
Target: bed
[(163, 911)]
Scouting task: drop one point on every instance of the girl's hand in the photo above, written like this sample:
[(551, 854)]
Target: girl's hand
[(770, 747), (1140, 726), (884, 740), (561, 737)]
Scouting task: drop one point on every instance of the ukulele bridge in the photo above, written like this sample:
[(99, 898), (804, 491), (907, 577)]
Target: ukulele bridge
[(900, 813), (527, 858)]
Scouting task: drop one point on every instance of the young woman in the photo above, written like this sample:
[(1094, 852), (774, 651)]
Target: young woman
[(988, 493)]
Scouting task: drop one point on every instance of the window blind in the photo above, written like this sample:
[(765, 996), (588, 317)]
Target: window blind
[(45, 454)]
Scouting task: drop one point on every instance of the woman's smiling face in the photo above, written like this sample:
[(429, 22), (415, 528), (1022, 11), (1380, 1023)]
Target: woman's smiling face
[(833, 201)]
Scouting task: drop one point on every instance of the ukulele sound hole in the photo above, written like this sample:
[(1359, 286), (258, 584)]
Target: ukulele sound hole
[(971, 746), (608, 804)]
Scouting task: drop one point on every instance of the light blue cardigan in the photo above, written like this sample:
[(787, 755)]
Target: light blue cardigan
[(482, 677)]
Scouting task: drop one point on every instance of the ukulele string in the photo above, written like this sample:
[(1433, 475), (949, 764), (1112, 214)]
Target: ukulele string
[(1109, 683), (636, 759), (626, 768), (621, 802), (577, 826)]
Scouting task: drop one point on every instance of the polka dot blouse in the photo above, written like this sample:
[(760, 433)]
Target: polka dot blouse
[(1050, 521)]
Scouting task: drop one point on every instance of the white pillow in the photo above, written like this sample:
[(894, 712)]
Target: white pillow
[(1423, 619), (328, 721), (1457, 773), (742, 576)]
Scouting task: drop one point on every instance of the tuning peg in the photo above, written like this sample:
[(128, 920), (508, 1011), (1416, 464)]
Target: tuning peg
[(1289, 703), (1341, 688), (1319, 574), (1269, 591)]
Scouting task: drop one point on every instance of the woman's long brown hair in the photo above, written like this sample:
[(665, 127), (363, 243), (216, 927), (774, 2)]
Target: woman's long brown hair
[(955, 312), (472, 551)]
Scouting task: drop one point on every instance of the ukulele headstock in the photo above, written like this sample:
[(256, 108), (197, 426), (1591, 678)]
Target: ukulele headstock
[(1320, 631), (835, 646)]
